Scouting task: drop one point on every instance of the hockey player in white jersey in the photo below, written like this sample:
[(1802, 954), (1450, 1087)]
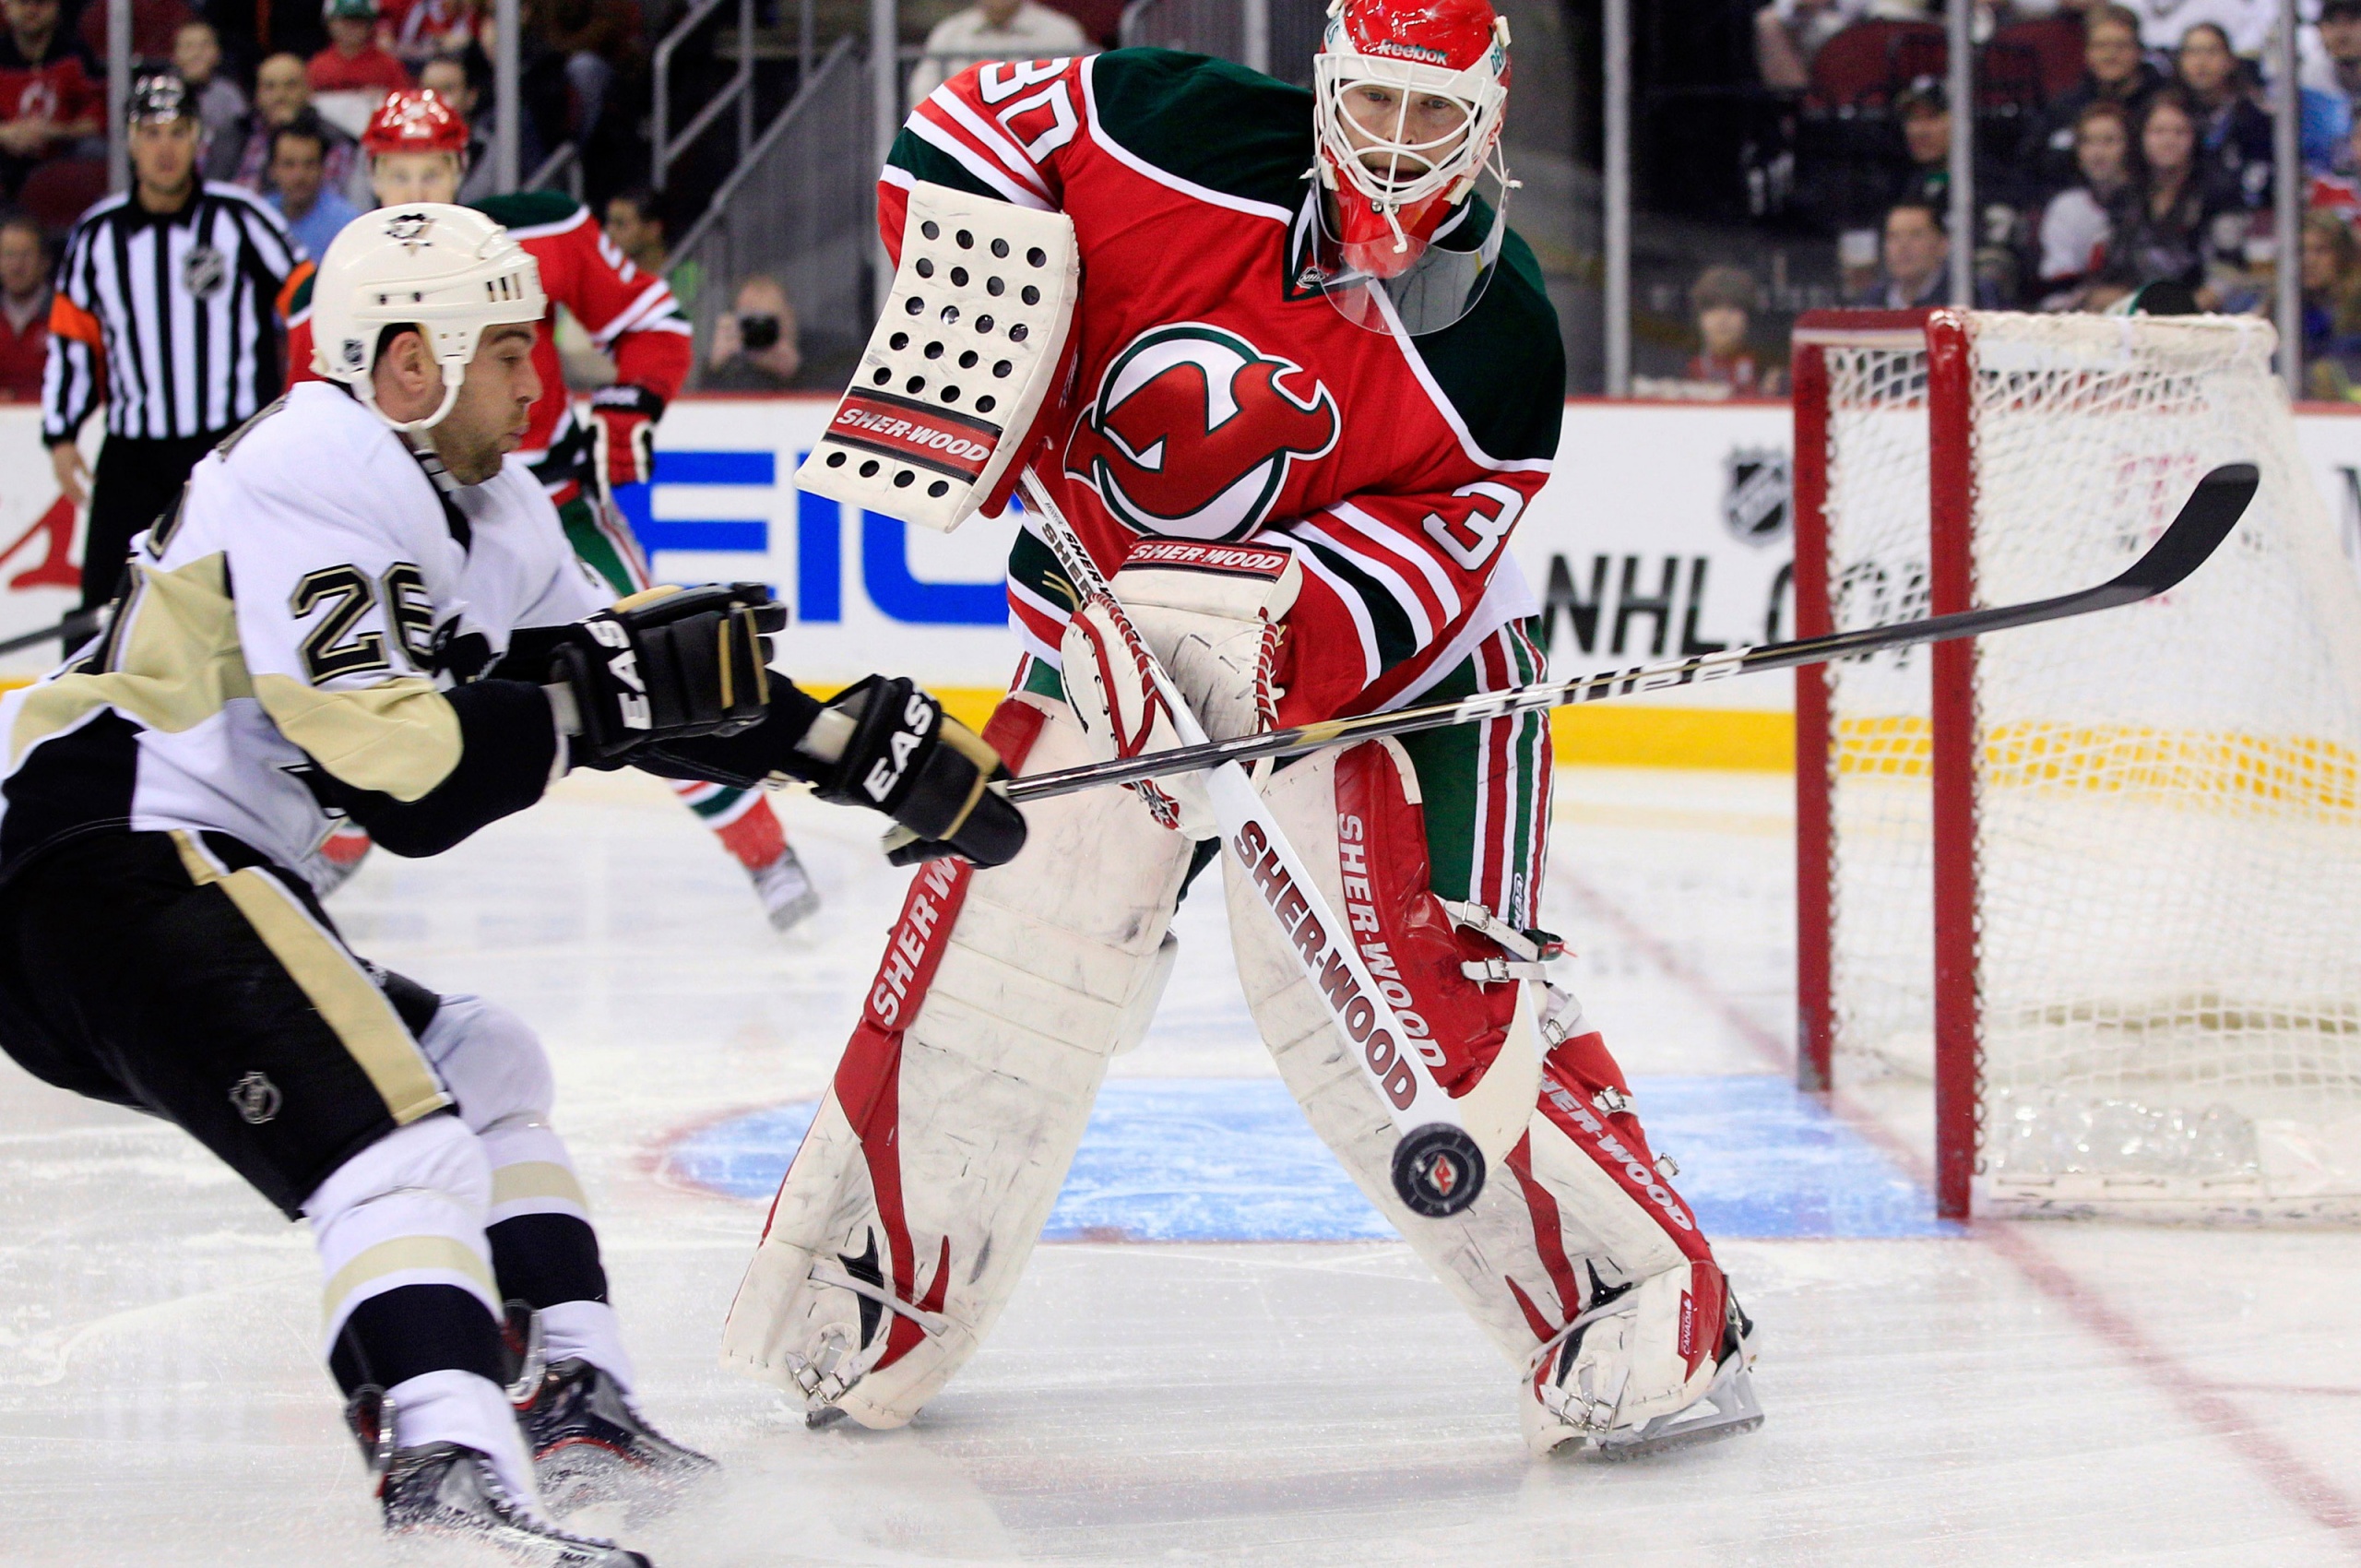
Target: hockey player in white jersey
[(354, 611)]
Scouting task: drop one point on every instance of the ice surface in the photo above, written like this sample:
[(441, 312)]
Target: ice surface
[(2027, 1395)]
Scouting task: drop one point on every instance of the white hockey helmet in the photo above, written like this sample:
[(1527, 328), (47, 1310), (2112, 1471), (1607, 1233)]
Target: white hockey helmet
[(449, 272)]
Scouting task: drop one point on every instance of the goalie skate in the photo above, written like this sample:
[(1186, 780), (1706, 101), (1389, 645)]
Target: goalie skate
[(1583, 1384)]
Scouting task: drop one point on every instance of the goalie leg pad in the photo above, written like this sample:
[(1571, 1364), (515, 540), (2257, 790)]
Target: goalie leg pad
[(1583, 1219), (901, 1227)]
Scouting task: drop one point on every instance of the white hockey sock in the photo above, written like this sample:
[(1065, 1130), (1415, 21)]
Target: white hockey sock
[(458, 1407), (591, 1331)]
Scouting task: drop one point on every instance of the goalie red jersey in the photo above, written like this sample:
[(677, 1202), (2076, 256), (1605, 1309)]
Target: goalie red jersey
[(1217, 393)]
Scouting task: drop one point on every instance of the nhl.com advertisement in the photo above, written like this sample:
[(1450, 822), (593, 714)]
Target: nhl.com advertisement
[(1665, 530)]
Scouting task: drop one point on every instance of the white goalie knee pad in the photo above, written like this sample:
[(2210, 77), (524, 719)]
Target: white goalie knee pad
[(1575, 1216), (934, 1158)]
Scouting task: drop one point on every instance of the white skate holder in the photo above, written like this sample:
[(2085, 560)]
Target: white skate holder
[(1438, 1169), (970, 342)]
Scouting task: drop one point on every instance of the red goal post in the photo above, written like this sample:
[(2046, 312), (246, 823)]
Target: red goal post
[(1951, 589)]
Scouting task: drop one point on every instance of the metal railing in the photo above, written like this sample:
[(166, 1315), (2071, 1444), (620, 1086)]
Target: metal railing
[(668, 148), (1273, 36), (798, 208), (565, 164)]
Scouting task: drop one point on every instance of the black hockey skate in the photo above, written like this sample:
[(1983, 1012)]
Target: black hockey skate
[(589, 1445), (442, 1488)]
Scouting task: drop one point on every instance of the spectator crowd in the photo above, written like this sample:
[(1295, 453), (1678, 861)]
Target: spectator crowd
[(2120, 150)]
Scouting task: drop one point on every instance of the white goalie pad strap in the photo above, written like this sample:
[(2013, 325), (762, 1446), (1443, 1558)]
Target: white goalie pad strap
[(1553, 1226), (967, 348), (910, 1210)]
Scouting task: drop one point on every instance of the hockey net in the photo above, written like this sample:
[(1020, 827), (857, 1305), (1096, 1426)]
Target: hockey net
[(2099, 880)]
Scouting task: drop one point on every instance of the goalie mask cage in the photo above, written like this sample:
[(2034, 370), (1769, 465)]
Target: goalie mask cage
[(2101, 879)]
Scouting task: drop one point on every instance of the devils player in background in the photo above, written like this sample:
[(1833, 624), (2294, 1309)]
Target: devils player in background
[(1315, 381), (417, 145)]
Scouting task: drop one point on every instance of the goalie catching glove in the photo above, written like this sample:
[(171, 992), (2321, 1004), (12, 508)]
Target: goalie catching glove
[(888, 745), (665, 664)]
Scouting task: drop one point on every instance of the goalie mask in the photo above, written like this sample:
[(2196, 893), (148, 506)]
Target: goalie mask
[(1409, 101), (449, 272)]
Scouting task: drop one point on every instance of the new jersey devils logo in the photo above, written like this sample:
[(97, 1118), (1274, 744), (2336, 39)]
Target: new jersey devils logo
[(1193, 431)]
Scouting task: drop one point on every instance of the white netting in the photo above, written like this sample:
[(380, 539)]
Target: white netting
[(2168, 796)]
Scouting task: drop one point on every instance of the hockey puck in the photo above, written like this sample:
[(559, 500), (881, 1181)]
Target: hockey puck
[(1438, 1171)]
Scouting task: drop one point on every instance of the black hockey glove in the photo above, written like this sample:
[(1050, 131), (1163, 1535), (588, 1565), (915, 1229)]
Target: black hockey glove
[(663, 665), (888, 745)]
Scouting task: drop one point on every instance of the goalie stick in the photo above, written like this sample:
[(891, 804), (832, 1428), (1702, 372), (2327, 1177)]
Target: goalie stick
[(1437, 1170), (2202, 523)]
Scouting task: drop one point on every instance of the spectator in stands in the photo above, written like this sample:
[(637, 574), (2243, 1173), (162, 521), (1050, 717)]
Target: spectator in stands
[(2076, 225), (2113, 72), (993, 30), (1916, 252), (354, 61), (316, 211), (449, 78), (596, 42), (2334, 65), (283, 95), (2173, 223), (2233, 133), (2245, 24), (2331, 307), (1788, 33), (755, 346), (52, 92), (427, 29), (24, 308), (2338, 192), (635, 224), (196, 56), (1724, 300)]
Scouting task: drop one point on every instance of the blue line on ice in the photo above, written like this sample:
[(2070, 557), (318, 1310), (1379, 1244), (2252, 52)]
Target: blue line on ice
[(1231, 1159)]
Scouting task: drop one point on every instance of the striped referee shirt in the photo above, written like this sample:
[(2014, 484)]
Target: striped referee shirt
[(181, 310)]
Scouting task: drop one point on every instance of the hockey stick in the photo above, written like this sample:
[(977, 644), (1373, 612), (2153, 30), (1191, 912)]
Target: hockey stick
[(1437, 1170), (74, 627), (2204, 521)]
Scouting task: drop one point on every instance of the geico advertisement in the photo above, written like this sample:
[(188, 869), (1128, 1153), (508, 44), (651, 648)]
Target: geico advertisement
[(1664, 531)]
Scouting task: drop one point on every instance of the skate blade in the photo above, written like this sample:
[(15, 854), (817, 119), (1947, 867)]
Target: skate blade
[(1734, 1412), (820, 1420)]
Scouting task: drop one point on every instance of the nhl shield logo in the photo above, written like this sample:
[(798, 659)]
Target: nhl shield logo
[(1754, 501), (204, 272), (257, 1098), (1194, 431)]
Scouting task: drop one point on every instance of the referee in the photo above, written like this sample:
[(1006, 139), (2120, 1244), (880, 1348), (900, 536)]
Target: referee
[(174, 288)]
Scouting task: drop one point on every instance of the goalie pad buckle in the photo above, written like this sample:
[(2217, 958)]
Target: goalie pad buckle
[(970, 345)]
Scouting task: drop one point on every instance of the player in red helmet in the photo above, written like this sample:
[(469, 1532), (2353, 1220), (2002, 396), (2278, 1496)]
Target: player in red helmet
[(1410, 95), (1310, 384), (417, 145)]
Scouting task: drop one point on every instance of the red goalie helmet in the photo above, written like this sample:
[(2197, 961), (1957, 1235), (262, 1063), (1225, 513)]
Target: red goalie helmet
[(414, 120), (1410, 96)]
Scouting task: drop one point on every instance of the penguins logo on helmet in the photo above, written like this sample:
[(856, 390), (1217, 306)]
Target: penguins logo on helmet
[(408, 227)]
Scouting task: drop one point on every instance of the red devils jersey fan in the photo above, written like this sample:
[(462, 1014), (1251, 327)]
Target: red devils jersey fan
[(1310, 386)]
